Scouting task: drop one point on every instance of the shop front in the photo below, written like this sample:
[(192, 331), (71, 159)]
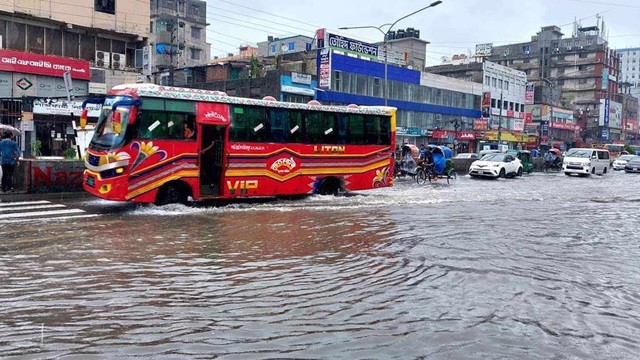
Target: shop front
[(53, 121), (410, 135), (510, 140), (26, 77), (459, 141)]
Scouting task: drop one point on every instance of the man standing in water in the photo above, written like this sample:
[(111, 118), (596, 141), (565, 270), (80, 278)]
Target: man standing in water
[(10, 154)]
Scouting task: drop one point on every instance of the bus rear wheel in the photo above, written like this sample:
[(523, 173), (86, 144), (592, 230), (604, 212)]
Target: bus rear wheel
[(174, 192), (329, 186)]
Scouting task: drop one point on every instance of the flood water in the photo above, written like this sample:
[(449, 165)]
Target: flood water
[(541, 267)]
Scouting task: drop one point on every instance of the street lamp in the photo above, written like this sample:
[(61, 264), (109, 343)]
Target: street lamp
[(385, 88)]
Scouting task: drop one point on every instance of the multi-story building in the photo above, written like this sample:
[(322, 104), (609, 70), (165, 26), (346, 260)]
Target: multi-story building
[(583, 66), (289, 45), (504, 89), (430, 107), (100, 42), (178, 37), (630, 66)]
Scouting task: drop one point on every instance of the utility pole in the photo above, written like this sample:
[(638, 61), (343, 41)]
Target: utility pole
[(500, 121)]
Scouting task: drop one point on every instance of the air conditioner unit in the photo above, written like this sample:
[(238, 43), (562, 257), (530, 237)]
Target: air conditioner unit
[(103, 59), (568, 48), (557, 50), (118, 61)]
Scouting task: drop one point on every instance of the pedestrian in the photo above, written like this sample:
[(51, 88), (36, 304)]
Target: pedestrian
[(10, 154)]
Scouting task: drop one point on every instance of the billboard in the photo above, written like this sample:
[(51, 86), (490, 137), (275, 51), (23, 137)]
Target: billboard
[(486, 104), (324, 68), (352, 46), (28, 63), (484, 49), (529, 93), (610, 114)]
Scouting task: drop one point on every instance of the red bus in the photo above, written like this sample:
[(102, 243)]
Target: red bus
[(164, 145)]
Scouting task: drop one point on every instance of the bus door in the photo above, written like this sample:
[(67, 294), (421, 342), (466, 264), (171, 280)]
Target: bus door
[(212, 159), (213, 122)]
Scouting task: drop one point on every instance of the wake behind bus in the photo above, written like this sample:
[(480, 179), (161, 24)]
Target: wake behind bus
[(157, 144)]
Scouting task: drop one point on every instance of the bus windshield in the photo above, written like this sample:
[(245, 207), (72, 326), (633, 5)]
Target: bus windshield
[(112, 127)]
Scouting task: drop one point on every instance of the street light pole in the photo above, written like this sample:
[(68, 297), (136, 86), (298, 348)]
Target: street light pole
[(500, 122), (385, 43)]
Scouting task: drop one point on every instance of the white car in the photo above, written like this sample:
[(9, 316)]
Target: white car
[(496, 165), (621, 161), (467, 156)]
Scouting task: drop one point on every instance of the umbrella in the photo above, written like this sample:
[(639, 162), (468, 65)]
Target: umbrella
[(5, 127), (557, 152)]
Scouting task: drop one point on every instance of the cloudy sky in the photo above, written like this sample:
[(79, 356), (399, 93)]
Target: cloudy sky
[(453, 27)]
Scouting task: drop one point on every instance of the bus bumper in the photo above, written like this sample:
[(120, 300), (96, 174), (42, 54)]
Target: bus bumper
[(110, 189)]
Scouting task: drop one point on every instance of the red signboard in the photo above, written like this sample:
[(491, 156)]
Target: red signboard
[(563, 126), (466, 135), (510, 113), (480, 124), (28, 63), (528, 118), (212, 113)]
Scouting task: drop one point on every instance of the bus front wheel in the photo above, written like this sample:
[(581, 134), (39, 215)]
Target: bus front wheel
[(174, 192)]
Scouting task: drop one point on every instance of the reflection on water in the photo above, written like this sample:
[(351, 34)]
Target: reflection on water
[(538, 267)]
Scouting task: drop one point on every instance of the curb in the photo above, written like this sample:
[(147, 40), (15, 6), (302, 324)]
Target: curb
[(60, 196)]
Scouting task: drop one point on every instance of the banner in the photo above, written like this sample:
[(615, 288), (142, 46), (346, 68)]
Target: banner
[(486, 104), (62, 107), (346, 44), (480, 124), (529, 93), (545, 128), (324, 68), (28, 63)]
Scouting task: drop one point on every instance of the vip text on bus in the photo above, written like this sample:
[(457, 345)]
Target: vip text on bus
[(155, 144)]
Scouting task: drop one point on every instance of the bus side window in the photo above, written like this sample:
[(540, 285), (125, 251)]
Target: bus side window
[(343, 129), (239, 125), (153, 125), (314, 127), (329, 128), (356, 129), (279, 128), (385, 131), (372, 129), (295, 126)]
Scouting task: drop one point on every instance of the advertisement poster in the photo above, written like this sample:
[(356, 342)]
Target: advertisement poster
[(324, 69), (529, 93), (486, 104)]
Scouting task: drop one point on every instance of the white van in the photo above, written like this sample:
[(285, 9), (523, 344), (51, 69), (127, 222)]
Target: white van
[(586, 162)]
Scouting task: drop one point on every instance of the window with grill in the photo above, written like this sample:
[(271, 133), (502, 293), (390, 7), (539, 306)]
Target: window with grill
[(106, 6)]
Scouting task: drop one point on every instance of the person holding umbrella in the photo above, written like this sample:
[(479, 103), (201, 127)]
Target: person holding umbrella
[(10, 154)]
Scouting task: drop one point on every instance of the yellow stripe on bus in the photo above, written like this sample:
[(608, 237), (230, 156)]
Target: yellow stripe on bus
[(158, 183), (303, 172)]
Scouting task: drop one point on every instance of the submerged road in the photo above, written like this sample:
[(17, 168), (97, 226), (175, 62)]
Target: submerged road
[(539, 267)]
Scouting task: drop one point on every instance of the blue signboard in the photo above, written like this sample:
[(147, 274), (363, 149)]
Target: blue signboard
[(605, 134), (545, 128), (409, 131), (606, 112)]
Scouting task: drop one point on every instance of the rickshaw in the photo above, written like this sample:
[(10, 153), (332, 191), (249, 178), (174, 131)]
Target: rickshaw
[(555, 165), (525, 158), (442, 166), (407, 161)]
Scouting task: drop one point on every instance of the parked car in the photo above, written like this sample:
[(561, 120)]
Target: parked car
[(496, 165), (633, 165), (621, 161), (467, 156)]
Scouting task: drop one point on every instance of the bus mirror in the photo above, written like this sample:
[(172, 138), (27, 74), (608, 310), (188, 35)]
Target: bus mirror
[(83, 118)]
